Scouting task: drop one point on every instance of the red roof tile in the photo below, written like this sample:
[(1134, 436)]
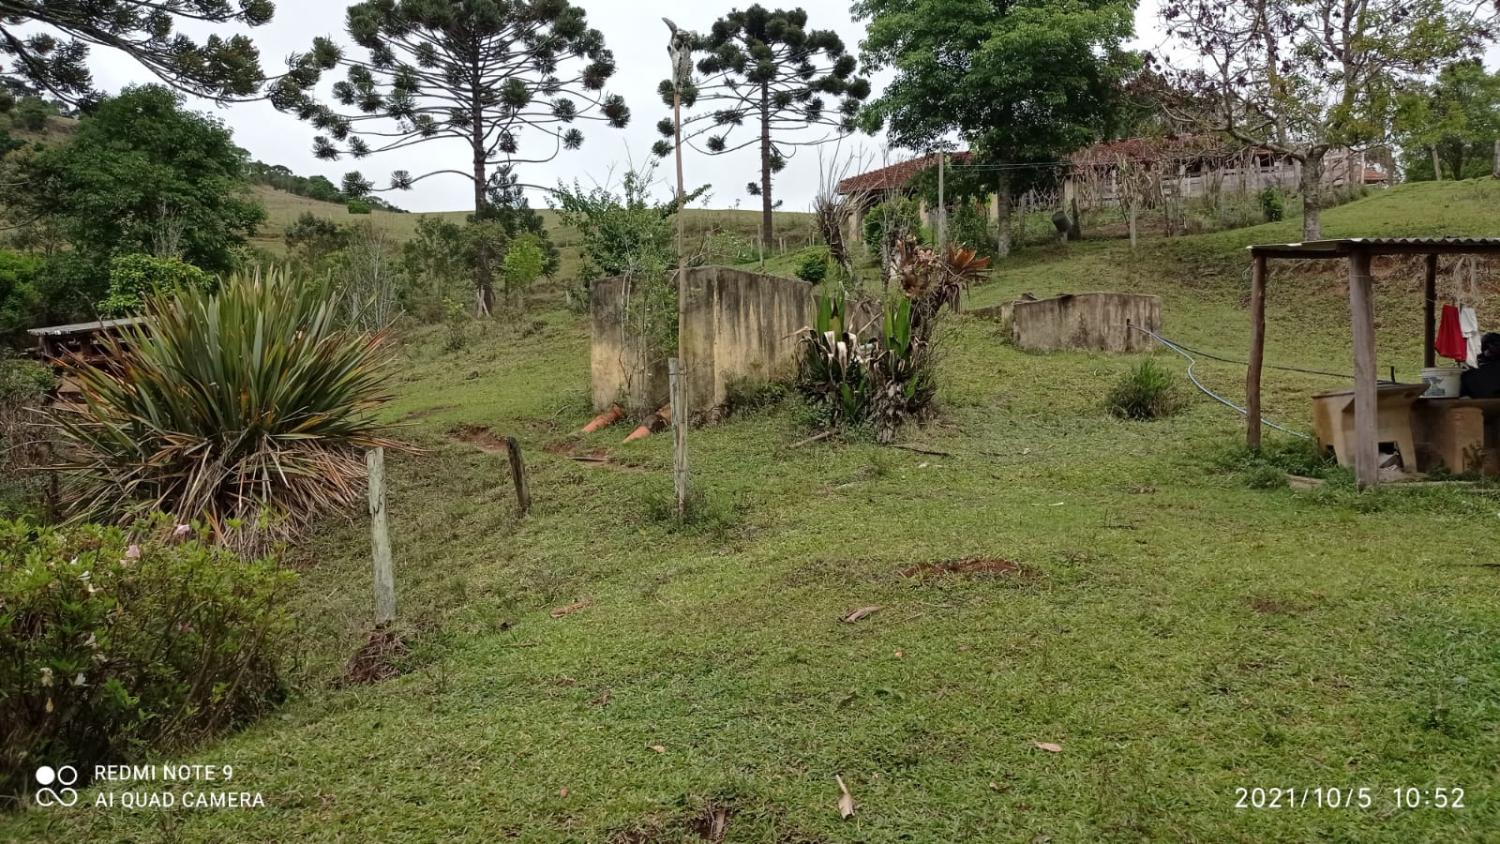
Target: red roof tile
[(896, 176)]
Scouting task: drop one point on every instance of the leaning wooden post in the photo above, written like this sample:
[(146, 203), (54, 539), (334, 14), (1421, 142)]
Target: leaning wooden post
[(1366, 389), (380, 540), (518, 476), (1257, 352), (1429, 313)]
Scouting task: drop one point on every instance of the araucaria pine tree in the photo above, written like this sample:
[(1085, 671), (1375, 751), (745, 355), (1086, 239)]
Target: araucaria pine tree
[(44, 45), (791, 85), (502, 76)]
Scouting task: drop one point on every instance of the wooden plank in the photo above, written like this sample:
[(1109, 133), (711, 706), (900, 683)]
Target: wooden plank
[(677, 387), (1257, 352), (380, 540), (518, 476), (1429, 312), (1362, 318)]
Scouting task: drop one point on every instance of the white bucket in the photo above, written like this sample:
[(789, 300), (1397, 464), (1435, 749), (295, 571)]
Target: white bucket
[(1443, 382)]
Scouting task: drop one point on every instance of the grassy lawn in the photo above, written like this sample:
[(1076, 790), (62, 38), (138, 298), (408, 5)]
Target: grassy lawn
[(1178, 633)]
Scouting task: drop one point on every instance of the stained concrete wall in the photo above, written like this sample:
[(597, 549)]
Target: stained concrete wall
[(738, 325), (1086, 321)]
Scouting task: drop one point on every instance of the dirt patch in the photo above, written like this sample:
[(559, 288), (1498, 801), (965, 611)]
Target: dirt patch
[(429, 412), (597, 458), (711, 824), (966, 567), (481, 438), (381, 658)]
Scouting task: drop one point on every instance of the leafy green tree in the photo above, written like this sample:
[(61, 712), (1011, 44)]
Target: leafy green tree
[(507, 205), (1303, 77), (44, 44), (20, 300), (311, 240), (523, 265), (135, 278), (1452, 125), (487, 72), (1023, 81), (766, 70), (143, 174)]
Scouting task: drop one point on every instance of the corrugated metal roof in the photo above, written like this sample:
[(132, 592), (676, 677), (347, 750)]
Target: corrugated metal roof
[(84, 327), (1388, 245)]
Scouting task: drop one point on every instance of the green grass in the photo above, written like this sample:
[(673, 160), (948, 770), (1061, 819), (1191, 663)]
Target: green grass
[(1179, 632)]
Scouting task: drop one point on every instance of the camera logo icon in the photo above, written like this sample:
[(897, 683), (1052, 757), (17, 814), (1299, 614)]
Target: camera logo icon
[(56, 786)]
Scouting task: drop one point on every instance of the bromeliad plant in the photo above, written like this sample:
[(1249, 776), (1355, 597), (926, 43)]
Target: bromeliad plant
[(890, 379), (246, 408)]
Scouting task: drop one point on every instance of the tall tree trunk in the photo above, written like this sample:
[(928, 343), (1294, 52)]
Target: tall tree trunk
[(1003, 215), (767, 221), (1312, 195), (484, 274), (1495, 166), (1437, 164)]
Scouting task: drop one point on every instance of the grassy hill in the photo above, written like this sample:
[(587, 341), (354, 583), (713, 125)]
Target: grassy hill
[(1178, 626)]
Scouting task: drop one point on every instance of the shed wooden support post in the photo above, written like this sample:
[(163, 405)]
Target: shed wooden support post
[(1257, 352), (1429, 312), (1366, 395), (380, 540)]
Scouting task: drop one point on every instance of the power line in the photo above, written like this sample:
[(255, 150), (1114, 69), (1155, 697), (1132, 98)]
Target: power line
[(1193, 362)]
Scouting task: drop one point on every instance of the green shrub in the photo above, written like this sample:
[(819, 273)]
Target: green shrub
[(970, 228), (24, 438), (890, 222), (110, 648), (135, 278), (241, 405), (20, 298), (360, 206), (814, 267), (1273, 204), (747, 394), (1149, 391)]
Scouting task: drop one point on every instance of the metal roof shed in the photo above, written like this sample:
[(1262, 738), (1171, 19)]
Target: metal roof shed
[(1358, 251)]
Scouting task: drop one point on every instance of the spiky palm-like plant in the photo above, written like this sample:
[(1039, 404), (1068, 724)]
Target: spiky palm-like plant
[(243, 407)]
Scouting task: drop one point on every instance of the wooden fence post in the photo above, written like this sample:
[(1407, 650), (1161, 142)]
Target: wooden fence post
[(677, 388), (380, 539), (1257, 352), (518, 476)]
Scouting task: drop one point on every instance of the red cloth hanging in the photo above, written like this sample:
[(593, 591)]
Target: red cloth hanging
[(1451, 342)]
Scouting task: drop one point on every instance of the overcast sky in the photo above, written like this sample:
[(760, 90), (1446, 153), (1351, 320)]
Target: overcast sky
[(632, 28)]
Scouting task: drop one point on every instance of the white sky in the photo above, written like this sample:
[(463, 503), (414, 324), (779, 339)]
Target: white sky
[(632, 28)]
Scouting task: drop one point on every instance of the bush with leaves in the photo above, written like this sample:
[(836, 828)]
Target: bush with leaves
[(113, 646), (435, 269), (524, 263), (1149, 391), (248, 408), (814, 267), (135, 278), (25, 386), (1273, 204), (889, 380), (20, 299)]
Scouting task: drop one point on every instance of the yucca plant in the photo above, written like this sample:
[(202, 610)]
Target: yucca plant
[(246, 407), (833, 373)]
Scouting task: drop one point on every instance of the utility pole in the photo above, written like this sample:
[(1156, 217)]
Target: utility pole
[(942, 232), (680, 48)]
